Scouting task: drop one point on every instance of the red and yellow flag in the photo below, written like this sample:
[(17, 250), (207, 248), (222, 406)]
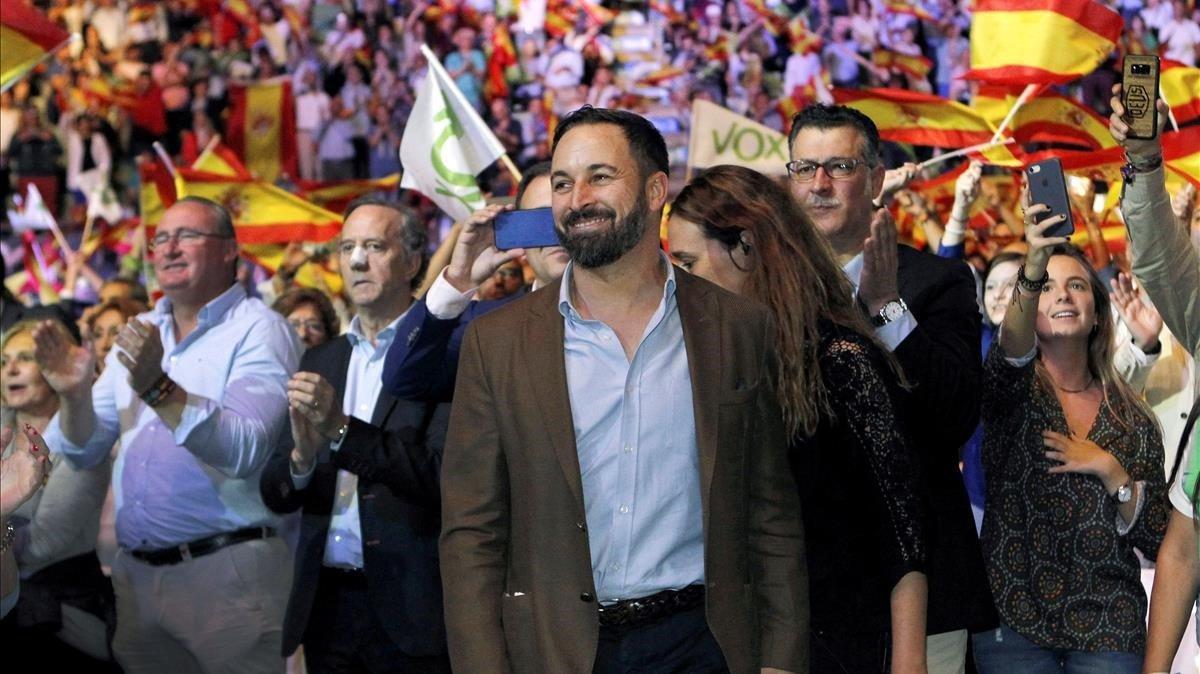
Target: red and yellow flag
[(220, 159), (1181, 154), (910, 8), (1180, 86), (921, 119), (262, 127), (913, 65), (501, 57), (335, 195), (801, 39), (1049, 118), (26, 36), (1019, 42), (262, 213)]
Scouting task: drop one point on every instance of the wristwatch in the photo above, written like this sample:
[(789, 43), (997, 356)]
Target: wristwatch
[(891, 311), (1124, 493)]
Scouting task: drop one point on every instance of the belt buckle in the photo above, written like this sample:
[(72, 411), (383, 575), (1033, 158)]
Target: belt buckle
[(185, 553)]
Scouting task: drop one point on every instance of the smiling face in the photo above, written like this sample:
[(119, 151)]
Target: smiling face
[(197, 271), (376, 268), (599, 195), (1067, 308), (841, 209), (705, 257), (998, 290), (25, 390)]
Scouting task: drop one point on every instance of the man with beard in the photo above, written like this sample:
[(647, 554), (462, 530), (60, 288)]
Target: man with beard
[(615, 490)]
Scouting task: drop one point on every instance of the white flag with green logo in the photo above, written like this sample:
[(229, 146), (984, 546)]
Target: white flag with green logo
[(446, 144)]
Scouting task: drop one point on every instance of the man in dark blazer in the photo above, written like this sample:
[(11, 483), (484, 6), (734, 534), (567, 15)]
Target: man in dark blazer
[(924, 310), (362, 466), (615, 493)]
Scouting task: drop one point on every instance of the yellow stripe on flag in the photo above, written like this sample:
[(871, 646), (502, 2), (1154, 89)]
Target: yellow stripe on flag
[(263, 130), (1075, 50), (17, 54)]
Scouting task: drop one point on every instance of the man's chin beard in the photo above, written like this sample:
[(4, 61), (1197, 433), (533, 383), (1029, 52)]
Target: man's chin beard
[(604, 248)]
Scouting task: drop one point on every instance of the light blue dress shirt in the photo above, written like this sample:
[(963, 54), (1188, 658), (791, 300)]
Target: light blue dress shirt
[(201, 479), (635, 432), (364, 381)]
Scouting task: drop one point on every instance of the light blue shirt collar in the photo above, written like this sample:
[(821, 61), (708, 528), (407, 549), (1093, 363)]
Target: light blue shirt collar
[(567, 308), (212, 312), (355, 332)]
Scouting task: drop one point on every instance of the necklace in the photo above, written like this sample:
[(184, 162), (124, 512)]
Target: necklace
[(1080, 390)]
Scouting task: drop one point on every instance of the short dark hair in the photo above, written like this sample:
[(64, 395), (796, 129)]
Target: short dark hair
[(818, 116), (413, 236), (297, 297), (645, 142), (220, 215), (137, 291), (538, 170)]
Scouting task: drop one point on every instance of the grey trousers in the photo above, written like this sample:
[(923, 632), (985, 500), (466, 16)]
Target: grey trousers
[(222, 612)]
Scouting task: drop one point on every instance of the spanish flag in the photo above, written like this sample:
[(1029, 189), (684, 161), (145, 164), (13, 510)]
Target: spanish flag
[(920, 119), (910, 8), (262, 213), (1181, 154), (1049, 118), (1180, 86), (26, 36), (335, 195), (501, 57), (914, 66), (156, 193), (1018, 42), (220, 159), (801, 39), (262, 127), (319, 275)]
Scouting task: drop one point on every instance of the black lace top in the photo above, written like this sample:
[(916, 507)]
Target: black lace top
[(1062, 573), (859, 489)]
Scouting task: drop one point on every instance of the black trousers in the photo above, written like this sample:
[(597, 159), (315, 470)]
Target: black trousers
[(844, 652), (677, 643), (344, 635)]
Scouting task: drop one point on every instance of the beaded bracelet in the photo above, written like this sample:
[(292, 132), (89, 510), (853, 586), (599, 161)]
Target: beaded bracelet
[(159, 391), (1028, 284)]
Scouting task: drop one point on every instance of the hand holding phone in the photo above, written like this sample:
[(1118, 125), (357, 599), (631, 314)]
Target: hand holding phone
[(1139, 94), (1048, 186)]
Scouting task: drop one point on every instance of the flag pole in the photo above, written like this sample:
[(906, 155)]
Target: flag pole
[(1025, 96), (966, 150), (512, 168), (208, 149), (45, 57)]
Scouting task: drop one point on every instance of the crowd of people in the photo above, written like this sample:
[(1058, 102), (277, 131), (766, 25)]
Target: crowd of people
[(731, 423)]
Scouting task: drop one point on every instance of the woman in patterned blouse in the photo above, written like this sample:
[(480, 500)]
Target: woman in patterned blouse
[(1074, 470), (859, 484)]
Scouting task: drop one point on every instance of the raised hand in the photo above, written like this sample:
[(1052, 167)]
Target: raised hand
[(1039, 245), (141, 352), (895, 180), (312, 397), (23, 472), (1144, 321), (475, 257), (1139, 150), (966, 186), (67, 367), (878, 284)]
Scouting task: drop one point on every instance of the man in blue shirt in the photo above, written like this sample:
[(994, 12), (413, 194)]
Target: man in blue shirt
[(362, 466), (615, 490), (195, 392)]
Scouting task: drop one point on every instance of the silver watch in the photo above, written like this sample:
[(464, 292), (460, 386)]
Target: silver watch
[(1124, 493), (891, 311)]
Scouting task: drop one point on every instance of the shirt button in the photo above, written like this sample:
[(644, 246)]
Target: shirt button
[(623, 509), (615, 567), (581, 525), (586, 597), (628, 449)]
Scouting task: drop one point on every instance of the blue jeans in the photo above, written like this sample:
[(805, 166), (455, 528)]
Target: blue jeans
[(1003, 651)]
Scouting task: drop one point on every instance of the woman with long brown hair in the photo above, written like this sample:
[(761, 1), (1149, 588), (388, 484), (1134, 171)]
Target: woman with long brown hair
[(1074, 465), (839, 390)]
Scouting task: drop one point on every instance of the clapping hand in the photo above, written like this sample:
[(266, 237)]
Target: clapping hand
[(878, 284), (313, 398), (141, 353), (22, 472), (1144, 322), (475, 257), (68, 368)]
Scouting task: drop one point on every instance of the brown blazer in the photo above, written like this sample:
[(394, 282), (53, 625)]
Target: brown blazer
[(516, 568)]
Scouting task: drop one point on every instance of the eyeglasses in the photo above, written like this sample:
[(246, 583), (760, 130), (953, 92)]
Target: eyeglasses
[(838, 168), (186, 238), (312, 326)]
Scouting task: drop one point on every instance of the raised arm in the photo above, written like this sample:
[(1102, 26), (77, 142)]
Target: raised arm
[(1017, 337)]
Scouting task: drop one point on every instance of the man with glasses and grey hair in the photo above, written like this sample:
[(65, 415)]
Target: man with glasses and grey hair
[(924, 310), (195, 390)]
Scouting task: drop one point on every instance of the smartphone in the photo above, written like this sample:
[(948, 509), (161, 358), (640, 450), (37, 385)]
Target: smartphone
[(1047, 186), (1139, 91), (529, 228)]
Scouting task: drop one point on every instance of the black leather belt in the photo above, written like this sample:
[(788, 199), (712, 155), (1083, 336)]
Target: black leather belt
[(204, 546), (628, 612)]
